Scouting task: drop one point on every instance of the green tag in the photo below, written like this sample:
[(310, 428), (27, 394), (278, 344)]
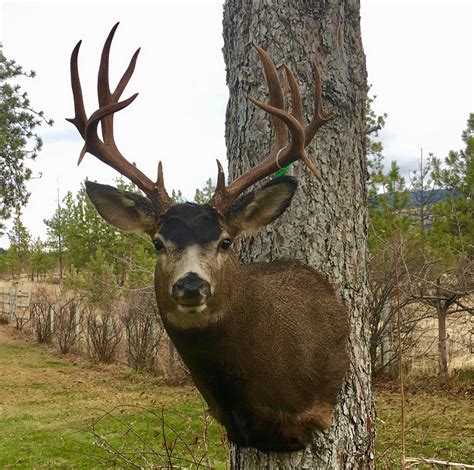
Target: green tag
[(283, 170)]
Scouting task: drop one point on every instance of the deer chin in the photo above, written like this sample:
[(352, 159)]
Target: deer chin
[(191, 309), (184, 317)]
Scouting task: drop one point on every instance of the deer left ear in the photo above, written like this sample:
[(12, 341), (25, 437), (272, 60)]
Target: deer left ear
[(122, 209), (260, 207)]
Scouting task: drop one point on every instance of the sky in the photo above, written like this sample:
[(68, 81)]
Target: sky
[(419, 60)]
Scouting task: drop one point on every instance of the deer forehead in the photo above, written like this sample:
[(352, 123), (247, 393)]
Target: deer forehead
[(190, 224)]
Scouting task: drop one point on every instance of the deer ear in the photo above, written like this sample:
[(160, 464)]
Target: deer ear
[(124, 210), (253, 211)]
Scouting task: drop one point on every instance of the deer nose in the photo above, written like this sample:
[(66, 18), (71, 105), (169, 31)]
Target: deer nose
[(191, 290)]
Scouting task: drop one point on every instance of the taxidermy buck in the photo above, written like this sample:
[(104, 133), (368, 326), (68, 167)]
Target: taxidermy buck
[(265, 343)]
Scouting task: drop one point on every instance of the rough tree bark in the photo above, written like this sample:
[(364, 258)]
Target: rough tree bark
[(326, 224)]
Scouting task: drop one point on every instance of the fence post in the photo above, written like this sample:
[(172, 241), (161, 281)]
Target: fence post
[(386, 344), (11, 302), (78, 325), (12, 309), (51, 319), (3, 302)]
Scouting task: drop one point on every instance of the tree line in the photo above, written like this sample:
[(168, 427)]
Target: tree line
[(421, 245)]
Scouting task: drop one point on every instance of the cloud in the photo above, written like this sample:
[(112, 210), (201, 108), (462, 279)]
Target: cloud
[(56, 135)]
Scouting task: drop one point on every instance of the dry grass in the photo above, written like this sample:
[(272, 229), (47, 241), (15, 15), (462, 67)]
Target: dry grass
[(26, 285), (439, 420)]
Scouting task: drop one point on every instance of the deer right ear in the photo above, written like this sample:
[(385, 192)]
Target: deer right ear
[(253, 211), (122, 209)]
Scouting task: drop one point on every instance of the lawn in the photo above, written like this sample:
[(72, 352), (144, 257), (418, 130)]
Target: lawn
[(69, 413), (61, 413)]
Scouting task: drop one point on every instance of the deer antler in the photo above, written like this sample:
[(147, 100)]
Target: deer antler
[(106, 150), (284, 151)]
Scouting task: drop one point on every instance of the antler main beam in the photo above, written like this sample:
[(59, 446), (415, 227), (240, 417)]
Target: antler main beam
[(106, 150), (285, 150)]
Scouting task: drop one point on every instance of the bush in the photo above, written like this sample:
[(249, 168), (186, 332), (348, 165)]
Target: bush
[(144, 331), (40, 311), (67, 321), (104, 334)]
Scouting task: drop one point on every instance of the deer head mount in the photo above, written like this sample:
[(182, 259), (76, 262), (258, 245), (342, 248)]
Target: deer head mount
[(265, 343)]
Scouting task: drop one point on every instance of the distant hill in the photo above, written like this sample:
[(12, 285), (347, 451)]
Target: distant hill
[(427, 197), (417, 198)]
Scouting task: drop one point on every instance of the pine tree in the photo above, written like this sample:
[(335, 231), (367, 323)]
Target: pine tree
[(19, 141), (19, 252)]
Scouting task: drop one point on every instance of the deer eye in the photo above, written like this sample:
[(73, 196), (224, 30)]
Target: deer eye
[(158, 245), (225, 244)]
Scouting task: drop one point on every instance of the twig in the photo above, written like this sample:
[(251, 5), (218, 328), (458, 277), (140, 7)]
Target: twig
[(421, 460), (165, 442), (107, 447), (205, 437)]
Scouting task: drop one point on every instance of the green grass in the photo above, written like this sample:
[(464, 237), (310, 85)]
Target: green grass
[(141, 435), (67, 414), (57, 414)]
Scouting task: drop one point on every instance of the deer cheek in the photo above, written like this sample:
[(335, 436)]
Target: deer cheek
[(162, 278)]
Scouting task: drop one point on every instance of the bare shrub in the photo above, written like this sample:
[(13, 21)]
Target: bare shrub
[(67, 320), (22, 317), (401, 274), (389, 280), (104, 334), (143, 331), (56, 314), (40, 311), (21, 313)]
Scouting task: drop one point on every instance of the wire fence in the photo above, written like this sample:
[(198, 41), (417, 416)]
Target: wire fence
[(129, 331), (14, 305)]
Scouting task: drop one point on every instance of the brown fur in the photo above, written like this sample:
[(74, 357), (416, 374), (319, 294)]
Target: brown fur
[(272, 363)]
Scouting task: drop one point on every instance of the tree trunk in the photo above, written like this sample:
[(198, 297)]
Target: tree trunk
[(442, 343), (441, 311), (60, 254), (326, 223)]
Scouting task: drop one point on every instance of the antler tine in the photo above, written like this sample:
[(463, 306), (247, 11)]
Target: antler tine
[(220, 186), (80, 117), (320, 116), (283, 152), (103, 87), (106, 150), (277, 99), (296, 105)]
